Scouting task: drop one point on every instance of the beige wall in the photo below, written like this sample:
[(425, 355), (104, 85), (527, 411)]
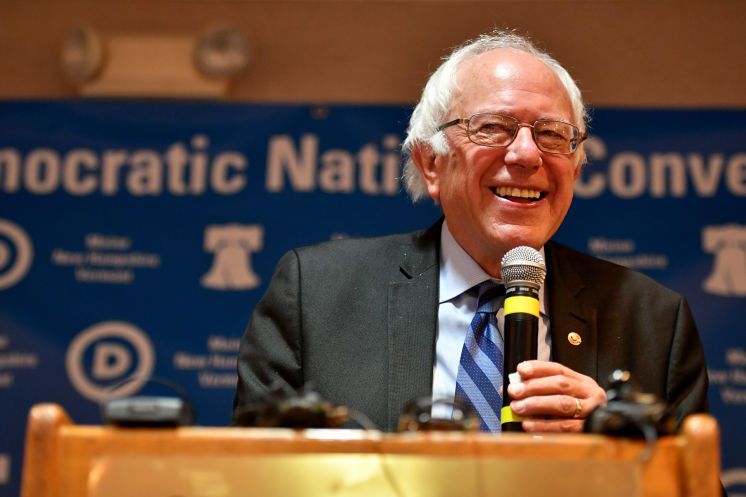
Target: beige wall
[(645, 53)]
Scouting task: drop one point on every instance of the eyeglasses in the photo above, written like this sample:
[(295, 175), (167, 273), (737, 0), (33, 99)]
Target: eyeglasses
[(498, 130)]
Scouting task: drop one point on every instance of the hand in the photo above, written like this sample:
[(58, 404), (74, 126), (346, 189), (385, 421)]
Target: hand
[(547, 394)]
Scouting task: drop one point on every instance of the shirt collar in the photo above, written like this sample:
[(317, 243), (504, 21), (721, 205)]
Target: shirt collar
[(459, 272)]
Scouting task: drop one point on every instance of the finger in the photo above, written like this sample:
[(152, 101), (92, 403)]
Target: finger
[(553, 425), (538, 369), (548, 385), (559, 406)]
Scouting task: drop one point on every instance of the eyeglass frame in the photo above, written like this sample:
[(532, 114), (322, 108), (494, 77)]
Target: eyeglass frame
[(579, 138)]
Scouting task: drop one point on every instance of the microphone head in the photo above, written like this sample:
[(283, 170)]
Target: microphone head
[(523, 266)]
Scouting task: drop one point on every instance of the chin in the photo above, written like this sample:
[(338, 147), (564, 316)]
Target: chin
[(521, 236)]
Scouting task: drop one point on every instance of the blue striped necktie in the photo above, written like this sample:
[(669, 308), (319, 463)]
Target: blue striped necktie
[(480, 371)]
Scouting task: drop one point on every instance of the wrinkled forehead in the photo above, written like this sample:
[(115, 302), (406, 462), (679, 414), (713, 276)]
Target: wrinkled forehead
[(510, 73)]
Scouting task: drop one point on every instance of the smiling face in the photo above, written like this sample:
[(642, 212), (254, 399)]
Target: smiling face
[(495, 199)]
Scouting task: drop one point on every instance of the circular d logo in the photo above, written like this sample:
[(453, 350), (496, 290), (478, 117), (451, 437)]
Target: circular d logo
[(16, 253), (107, 353)]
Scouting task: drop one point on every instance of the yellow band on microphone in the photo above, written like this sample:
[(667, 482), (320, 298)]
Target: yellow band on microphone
[(519, 303), (507, 416)]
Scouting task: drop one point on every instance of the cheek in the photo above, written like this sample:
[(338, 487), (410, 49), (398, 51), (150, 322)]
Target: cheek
[(462, 173), (481, 158), (564, 175), (474, 168)]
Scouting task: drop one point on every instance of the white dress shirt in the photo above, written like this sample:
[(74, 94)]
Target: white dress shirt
[(458, 273)]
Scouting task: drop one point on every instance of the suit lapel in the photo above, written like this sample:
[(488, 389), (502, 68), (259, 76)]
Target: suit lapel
[(412, 319), (570, 315)]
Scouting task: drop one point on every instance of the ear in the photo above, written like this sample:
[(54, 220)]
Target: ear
[(425, 160)]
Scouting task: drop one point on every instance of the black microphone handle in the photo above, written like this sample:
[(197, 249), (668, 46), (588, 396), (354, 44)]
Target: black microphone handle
[(521, 342)]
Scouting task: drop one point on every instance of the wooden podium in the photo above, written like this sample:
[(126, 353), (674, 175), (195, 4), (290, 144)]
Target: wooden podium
[(67, 460)]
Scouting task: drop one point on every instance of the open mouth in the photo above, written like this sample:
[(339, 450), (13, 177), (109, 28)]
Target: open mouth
[(522, 195)]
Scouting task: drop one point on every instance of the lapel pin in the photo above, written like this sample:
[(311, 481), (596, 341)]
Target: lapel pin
[(574, 338)]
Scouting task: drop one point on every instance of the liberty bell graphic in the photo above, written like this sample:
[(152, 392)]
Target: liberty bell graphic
[(232, 245), (728, 243)]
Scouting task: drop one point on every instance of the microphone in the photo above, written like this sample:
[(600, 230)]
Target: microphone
[(523, 271)]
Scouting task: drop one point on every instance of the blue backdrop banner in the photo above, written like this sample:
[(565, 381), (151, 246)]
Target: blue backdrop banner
[(136, 237)]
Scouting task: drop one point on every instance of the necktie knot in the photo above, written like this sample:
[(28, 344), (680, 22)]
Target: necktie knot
[(488, 293)]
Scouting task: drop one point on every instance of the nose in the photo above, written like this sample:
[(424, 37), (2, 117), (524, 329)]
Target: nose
[(523, 150)]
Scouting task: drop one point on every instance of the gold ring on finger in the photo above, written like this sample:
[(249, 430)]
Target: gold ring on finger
[(578, 408)]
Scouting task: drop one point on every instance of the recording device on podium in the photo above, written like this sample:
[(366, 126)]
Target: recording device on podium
[(417, 416), (290, 409), (629, 412), (148, 410)]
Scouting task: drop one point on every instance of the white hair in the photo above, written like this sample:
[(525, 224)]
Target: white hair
[(435, 102)]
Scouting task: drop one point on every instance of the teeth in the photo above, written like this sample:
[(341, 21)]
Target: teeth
[(505, 191)]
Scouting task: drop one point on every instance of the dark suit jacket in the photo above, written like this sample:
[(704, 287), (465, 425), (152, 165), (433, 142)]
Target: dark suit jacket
[(357, 318)]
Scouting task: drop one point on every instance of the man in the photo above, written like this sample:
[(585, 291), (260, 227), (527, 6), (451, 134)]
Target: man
[(496, 140)]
